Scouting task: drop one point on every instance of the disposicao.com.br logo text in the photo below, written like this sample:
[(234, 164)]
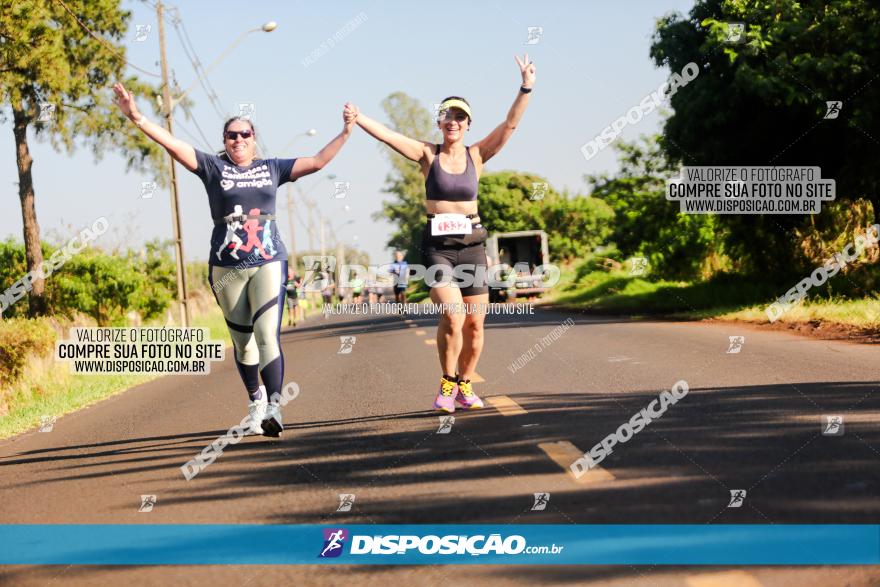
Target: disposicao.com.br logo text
[(453, 544)]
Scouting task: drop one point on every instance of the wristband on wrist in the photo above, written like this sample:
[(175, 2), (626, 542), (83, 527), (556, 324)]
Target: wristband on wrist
[(140, 121), (525, 90)]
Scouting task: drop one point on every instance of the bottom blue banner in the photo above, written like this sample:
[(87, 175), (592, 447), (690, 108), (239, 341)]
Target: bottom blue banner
[(527, 544)]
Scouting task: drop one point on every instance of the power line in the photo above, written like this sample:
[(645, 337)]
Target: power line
[(191, 54), (104, 43), (187, 110), (203, 79), (192, 117), (198, 128), (191, 136)]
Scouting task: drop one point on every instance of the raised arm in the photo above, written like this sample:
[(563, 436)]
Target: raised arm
[(496, 139), (181, 151), (410, 148), (307, 165)]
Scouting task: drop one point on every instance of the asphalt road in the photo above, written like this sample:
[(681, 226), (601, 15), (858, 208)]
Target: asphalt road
[(362, 425)]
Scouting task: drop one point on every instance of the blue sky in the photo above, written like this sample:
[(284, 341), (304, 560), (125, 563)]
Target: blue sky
[(592, 65)]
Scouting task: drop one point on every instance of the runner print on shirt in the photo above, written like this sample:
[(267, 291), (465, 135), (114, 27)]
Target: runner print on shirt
[(235, 194), (267, 239), (251, 228), (232, 238)]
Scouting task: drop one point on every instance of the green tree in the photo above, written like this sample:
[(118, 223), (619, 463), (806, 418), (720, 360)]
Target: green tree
[(49, 60), (99, 284), (405, 181), (762, 102), (646, 224), (575, 225)]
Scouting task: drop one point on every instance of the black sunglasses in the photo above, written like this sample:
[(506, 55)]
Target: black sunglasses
[(231, 135)]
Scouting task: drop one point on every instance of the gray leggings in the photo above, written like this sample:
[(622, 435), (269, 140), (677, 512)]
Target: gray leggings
[(252, 301)]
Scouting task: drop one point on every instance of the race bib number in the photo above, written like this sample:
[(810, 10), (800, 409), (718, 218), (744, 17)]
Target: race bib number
[(442, 224)]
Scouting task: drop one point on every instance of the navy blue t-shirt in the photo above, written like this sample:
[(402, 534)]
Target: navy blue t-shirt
[(247, 190)]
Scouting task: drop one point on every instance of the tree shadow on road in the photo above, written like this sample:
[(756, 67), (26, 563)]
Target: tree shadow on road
[(681, 468)]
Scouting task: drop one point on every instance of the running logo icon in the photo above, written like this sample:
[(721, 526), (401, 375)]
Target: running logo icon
[(639, 264), (737, 497), (346, 344), (346, 500), (539, 190), (47, 111), (736, 344), (833, 426), (316, 266), (246, 110), (334, 540), (148, 188), (833, 109), (340, 189), (147, 503), (735, 32), (541, 501), (47, 423), (446, 423), (535, 33), (141, 32)]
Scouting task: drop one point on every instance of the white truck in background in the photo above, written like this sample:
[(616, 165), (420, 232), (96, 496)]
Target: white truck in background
[(520, 252)]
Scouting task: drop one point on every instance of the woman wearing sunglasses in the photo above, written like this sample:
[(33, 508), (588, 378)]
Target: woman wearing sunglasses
[(453, 242), (247, 260)]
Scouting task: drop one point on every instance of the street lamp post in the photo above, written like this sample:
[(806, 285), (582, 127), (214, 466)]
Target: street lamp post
[(168, 104), (266, 28)]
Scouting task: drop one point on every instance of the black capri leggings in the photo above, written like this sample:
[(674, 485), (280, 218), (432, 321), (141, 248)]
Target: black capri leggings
[(456, 261)]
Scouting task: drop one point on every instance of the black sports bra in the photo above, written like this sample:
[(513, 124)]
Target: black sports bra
[(451, 187)]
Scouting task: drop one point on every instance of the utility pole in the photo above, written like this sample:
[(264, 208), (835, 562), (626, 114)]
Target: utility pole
[(167, 107)]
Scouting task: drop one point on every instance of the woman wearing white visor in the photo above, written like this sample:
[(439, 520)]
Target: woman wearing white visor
[(454, 237)]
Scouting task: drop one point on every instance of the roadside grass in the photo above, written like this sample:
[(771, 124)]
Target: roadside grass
[(725, 297), (48, 388), (863, 314)]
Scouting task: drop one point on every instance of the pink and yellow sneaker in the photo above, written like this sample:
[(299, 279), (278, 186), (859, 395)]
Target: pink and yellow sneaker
[(466, 396), (446, 398)]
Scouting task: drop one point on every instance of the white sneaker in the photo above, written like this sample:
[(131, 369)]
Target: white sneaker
[(257, 412), (272, 425)]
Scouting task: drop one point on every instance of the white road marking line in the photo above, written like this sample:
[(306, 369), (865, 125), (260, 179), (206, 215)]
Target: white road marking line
[(564, 453), (505, 405)]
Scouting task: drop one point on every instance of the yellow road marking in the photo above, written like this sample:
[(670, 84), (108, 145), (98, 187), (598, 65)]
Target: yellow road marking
[(505, 405), (430, 341), (564, 453), (723, 579)]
